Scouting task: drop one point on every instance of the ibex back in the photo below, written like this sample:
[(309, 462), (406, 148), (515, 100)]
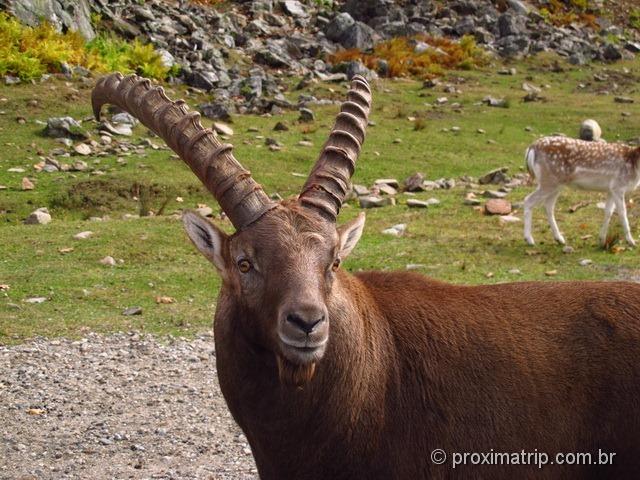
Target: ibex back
[(339, 376)]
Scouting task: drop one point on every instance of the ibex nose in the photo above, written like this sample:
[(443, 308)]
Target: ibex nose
[(307, 325)]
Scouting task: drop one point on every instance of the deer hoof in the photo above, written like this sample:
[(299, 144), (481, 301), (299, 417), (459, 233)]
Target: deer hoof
[(529, 240)]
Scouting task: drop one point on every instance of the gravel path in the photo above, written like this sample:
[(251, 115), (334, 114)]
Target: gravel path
[(116, 407)]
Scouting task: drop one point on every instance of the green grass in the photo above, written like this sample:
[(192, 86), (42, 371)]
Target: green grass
[(455, 242)]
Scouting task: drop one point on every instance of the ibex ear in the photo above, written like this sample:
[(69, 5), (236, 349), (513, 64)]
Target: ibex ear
[(349, 234), (207, 238)]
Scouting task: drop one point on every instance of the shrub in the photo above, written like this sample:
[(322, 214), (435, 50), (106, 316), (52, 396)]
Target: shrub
[(403, 59), (29, 52)]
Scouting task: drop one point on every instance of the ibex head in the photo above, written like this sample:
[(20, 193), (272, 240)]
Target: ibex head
[(280, 267)]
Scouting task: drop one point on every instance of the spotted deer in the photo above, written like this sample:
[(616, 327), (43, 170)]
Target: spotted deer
[(555, 162), (333, 375)]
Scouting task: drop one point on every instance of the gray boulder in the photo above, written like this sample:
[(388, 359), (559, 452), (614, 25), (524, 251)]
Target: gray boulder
[(62, 14)]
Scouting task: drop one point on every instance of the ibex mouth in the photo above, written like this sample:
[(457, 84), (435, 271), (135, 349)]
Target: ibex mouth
[(302, 352)]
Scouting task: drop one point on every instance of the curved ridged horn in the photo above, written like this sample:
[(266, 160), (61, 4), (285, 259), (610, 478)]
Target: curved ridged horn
[(241, 198), (330, 178)]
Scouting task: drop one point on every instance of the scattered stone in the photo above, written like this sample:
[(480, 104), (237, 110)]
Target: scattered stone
[(83, 235), (590, 130), (497, 206), (494, 194), (551, 273), (471, 200), (568, 249), (132, 311), (414, 183), (374, 201), (222, 129), (506, 219), (396, 230), (415, 203), (585, 262), (415, 266), (515, 271), (108, 261), (387, 189), (79, 166), (495, 102), (623, 100), (204, 210), (360, 190), (305, 143), (281, 127), (41, 216), (116, 129), (392, 182), (35, 300), (27, 184), (65, 127), (82, 149), (163, 299), (495, 177), (125, 118), (306, 115)]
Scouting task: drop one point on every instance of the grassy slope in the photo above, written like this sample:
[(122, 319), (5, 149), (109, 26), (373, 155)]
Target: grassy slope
[(455, 242)]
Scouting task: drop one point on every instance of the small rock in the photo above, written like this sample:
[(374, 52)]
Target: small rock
[(494, 194), (387, 189), (223, 129), (83, 235), (497, 206), (387, 181), (163, 299), (414, 183), (306, 115), (551, 273), (415, 203), (281, 127), (396, 230), (132, 311), (27, 184), (568, 249), (373, 201), (82, 149), (360, 190), (35, 300), (506, 219), (623, 100), (40, 216), (590, 130), (109, 261), (585, 262), (496, 177)]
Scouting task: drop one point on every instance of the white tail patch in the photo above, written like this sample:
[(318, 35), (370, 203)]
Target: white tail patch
[(530, 159)]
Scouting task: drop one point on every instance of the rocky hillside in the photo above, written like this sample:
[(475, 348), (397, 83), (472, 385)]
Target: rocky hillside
[(245, 48)]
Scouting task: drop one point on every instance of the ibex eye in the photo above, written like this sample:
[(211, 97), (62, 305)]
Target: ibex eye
[(336, 264), (244, 265)]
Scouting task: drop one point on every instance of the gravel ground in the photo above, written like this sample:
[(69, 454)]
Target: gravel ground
[(115, 407)]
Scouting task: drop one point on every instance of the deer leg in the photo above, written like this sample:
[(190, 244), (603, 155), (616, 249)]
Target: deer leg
[(621, 207), (530, 202), (608, 212), (550, 205)]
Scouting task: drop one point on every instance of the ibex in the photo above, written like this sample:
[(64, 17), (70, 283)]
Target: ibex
[(338, 376), (558, 161)]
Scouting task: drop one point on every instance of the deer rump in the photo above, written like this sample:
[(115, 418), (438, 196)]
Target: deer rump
[(338, 376)]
